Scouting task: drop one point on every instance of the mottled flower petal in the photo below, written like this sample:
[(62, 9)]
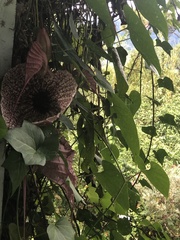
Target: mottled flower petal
[(43, 98)]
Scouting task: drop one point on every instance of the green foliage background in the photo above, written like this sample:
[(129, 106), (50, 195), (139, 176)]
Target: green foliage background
[(123, 124)]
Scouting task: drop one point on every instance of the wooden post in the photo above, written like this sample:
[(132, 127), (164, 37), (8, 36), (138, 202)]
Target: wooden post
[(7, 25)]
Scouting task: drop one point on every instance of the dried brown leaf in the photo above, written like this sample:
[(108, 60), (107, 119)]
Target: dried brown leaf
[(59, 169)]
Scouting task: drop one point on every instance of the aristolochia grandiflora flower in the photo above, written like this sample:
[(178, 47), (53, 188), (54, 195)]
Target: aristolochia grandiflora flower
[(43, 98)]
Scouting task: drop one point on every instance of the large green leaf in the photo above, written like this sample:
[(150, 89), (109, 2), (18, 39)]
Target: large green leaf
[(113, 181), (17, 169), (141, 39), (50, 146), (97, 50), (62, 230), (102, 82), (123, 118), (151, 11), (158, 178), (3, 128), (27, 140), (100, 7), (122, 84)]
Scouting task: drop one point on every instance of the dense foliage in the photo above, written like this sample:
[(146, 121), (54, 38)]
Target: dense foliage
[(82, 174)]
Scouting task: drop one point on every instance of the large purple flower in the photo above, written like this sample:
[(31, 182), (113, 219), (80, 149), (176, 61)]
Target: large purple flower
[(43, 98)]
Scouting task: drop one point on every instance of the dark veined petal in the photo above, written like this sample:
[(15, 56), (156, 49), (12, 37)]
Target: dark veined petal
[(43, 99)]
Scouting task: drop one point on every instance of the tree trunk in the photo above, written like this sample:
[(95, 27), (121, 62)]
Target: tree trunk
[(7, 25)]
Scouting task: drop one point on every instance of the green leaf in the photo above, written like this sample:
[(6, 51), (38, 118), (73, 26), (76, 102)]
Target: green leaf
[(145, 183), (135, 99), (119, 135), (13, 232), (117, 235), (123, 118), (75, 192), (162, 3), (110, 153), (68, 49), (158, 178), (150, 130), (3, 128), (84, 215), (26, 140), (168, 119), (108, 36), (160, 154), (89, 150), (151, 11), (106, 201), (73, 27), (102, 82), (102, 10), (50, 146), (47, 203), (97, 50), (133, 199), (141, 39), (166, 83), (62, 230), (17, 169), (81, 238), (122, 54), (92, 195), (113, 181), (124, 226), (165, 46), (122, 84), (67, 122)]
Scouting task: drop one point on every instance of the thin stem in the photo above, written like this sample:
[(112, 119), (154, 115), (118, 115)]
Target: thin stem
[(153, 115), (140, 76), (38, 197)]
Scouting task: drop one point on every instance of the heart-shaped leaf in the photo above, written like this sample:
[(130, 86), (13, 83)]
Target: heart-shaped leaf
[(17, 169), (62, 230), (26, 140), (113, 181)]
